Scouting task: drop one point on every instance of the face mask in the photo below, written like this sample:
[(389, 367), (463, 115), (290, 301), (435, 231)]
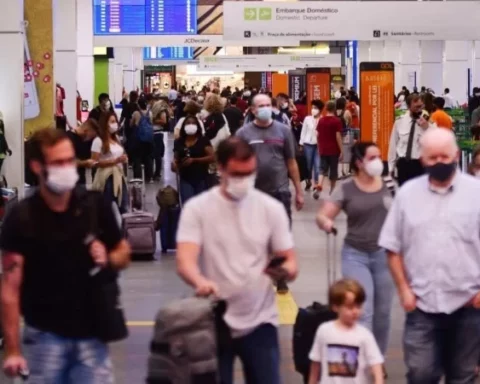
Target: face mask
[(374, 167), (204, 114), (107, 105), (416, 115), (275, 111), (315, 112), (247, 93), (200, 98), (191, 129), (61, 179), (238, 187), (441, 171), (285, 105), (113, 127), (264, 113)]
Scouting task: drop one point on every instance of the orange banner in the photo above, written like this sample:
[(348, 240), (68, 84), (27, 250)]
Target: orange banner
[(377, 111), (279, 83), (318, 84)]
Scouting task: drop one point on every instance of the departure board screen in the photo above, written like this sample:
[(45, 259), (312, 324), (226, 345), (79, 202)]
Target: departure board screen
[(168, 53), (145, 17)]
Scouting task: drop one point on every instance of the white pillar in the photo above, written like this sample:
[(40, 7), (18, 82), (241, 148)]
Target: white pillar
[(391, 52), (376, 50), (455, 70), (118, 80), (476, 65), (138, 66), (65, 58), (409, 63), (125, 57), (363, 52), (431, 73), (85, 66), (12, 91)]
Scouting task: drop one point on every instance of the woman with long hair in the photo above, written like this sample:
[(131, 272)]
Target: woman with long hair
[(193, 109), (110, 157), (193, 153), (216, 126), (365, 199)]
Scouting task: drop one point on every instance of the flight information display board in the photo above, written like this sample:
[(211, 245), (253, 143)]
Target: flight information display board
[(144, 17), (168, 53)]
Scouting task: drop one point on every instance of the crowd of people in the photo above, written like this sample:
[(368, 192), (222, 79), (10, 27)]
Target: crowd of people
[(238, 155)]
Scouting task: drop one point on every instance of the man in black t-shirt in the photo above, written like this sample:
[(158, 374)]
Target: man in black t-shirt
[(233, 115), (82, 138), (51, 243), (104, 105)]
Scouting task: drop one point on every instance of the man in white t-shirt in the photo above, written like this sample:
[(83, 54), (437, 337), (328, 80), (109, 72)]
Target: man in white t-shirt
[(225, 241)]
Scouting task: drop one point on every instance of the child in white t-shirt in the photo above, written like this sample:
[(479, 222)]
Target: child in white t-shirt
[(343, 351)]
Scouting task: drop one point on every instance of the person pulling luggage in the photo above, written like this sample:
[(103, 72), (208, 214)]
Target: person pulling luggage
[(366, 200), (235, 228)]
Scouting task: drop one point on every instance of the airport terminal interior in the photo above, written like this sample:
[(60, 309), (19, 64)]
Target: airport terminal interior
[(386, 72)]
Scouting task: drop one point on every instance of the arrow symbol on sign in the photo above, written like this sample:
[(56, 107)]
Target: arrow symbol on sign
[(250, 14)]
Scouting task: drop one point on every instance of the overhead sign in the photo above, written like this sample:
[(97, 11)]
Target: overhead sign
[(178, 40), (377, 113), (271, 62), (144, 17), (168, 53), (332, 20)]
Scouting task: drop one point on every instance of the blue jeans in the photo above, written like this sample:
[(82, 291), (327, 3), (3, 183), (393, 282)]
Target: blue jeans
[(189, 189), (57, 360), (110, 198), (437, 344), (259, 353), (313, 160), (371, 271)]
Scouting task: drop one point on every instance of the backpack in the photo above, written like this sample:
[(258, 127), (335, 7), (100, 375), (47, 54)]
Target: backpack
[(184, 345), (145, 129), (167, 197)]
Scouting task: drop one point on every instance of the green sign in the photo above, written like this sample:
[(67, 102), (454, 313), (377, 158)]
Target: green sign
[(252, 14)]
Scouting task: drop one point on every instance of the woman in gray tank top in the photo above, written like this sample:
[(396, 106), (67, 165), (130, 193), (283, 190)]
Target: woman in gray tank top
[(365, 199)]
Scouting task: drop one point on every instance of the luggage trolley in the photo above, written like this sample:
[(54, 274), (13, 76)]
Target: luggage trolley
[(351, 137)]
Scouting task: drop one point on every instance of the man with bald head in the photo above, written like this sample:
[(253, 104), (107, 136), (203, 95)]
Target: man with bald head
[(274, 146), (432, 235)]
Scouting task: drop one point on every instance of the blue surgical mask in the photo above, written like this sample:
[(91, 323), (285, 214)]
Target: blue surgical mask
[(264, 113)]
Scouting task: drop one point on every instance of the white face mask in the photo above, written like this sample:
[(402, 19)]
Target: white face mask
[(191, 129), (284, 105), (315, 112), (247, 93), (113, 127), (61, 179), (204, 114), (374, 167), (200, 98), (238, 187), (107, 105)]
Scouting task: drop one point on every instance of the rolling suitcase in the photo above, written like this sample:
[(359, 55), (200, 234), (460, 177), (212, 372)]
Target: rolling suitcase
[(139, 225), (170, 220), (310, 318)]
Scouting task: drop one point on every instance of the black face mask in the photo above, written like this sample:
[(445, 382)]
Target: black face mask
[(416, 115), (441, 171)]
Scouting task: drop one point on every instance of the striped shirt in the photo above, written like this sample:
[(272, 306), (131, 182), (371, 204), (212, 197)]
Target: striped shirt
[(437, 232)]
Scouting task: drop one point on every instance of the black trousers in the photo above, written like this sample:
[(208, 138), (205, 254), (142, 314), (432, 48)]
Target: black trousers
[(143, 155), (408, 169)]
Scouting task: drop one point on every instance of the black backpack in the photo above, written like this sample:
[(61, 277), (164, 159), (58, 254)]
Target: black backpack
[(306, 324)]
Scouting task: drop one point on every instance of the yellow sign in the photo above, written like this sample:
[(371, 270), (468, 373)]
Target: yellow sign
[(38, 66)]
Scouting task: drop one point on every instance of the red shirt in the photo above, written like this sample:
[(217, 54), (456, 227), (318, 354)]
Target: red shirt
[(242, 105), (327, 129)]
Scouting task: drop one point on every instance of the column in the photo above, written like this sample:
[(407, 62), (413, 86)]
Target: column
[(376, 50), (391, 52), (476, 65), (111, 82), (138, 67), (118, 80), (455, 71), (431, 73), (363, 54), (125, 57), (12, 90), (409, 64), (85, 68), (65, 58)]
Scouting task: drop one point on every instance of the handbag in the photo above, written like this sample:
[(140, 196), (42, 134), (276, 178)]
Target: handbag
[(109, 323)]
